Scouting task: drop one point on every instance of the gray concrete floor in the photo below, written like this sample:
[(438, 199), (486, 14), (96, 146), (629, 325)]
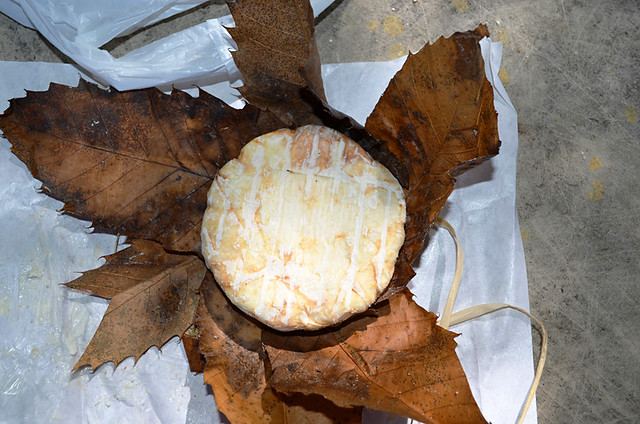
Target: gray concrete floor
[(571, 68)]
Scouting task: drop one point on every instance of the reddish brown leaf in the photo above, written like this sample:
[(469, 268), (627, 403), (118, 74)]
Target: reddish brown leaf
[(231, 344), (437, 117), (153, 298), (277, 56), (138, 163), (401, 362)]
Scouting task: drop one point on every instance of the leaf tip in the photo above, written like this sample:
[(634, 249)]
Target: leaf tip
[(482, 30)]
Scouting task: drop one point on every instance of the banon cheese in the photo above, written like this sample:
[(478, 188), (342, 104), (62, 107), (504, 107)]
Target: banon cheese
[(302, 230)]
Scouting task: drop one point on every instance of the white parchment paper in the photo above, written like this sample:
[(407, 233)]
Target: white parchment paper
[(45, 327)]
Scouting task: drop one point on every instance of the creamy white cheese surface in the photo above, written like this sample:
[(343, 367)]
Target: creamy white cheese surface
[(302, 230)]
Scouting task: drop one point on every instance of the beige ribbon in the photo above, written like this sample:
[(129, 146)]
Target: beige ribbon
[(448, 318)]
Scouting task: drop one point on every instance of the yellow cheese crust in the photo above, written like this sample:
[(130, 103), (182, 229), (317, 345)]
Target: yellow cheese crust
[(302, 230)]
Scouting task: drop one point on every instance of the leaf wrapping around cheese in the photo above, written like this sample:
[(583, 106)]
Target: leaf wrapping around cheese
[(437, 117), (153, 298), (137, 163), (277, 56), (231, 344), (399, 362)]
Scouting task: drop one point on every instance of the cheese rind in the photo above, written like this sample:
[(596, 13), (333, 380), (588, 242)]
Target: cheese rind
[(302, 230)]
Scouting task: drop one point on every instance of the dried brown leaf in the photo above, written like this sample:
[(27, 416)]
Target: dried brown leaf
[(137, 163), (277, 56), (399, 362), (153, 298), (231, 344), (438, 119)]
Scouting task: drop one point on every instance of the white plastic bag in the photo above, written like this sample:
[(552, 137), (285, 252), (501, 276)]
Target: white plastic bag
[(196, 56)]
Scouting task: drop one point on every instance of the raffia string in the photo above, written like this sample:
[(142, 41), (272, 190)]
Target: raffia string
[(448, 318), (445, 319)]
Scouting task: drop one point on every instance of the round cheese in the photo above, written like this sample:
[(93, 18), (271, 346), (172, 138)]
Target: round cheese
[(302, 230)]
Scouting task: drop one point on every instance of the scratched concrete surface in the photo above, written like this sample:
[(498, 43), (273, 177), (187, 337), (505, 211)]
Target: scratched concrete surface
[(572, 70)]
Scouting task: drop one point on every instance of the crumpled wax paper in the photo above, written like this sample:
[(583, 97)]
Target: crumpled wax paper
[(78, 28), (45, 327)]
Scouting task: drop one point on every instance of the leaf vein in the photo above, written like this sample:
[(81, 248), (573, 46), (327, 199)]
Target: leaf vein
[(147, 288), (274, 28)]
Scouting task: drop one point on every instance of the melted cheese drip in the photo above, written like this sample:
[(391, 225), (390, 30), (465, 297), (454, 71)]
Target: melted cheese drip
[(302, 230)]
